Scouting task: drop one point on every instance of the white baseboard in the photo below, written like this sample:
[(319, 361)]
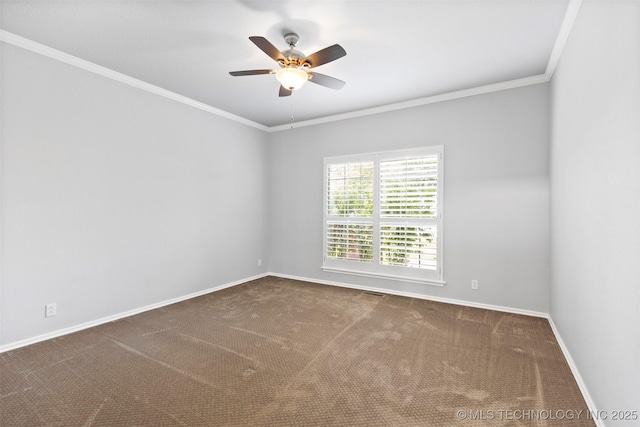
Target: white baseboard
[(576, 374), (82, 326), (574, 369), (417, 296), (90, 324)]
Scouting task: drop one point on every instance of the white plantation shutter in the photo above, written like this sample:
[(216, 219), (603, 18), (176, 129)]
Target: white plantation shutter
[(408, 246), (349, 211), (383, 215), (351, 241), (350, 189), (409, 192), (408, 187)]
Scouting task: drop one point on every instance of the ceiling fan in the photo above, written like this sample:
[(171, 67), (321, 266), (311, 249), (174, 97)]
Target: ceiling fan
[(294, 65)]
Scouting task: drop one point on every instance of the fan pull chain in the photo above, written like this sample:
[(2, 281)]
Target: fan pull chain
[(291, 114)]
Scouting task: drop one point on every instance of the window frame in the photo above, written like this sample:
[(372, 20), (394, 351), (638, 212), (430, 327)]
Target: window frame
[(375, 268)]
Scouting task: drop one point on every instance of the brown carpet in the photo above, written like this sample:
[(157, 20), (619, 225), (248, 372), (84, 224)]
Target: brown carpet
[(277, 352)]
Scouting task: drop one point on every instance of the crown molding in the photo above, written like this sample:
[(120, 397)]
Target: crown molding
[(511, 84), (30, 45), (565, 29)]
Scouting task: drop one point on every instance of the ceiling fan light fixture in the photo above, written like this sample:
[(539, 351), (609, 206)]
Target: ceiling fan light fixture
[(293, 64), (291, 78)]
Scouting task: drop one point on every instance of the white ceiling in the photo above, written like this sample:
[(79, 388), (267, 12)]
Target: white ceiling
[(397, 51)]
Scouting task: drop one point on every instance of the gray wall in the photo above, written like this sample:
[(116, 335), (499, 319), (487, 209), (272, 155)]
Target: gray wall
[(496, 224), (595, 201), (114, 198)]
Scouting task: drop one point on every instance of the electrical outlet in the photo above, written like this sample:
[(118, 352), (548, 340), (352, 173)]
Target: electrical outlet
[(50, 310), (259, 262), (474, 284)]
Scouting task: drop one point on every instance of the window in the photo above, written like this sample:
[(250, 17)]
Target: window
[(383, 215)]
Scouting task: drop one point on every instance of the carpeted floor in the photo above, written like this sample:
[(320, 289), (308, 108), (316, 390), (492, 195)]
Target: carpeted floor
[(277, 352)]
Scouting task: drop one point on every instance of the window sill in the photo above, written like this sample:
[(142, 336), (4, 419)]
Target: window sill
[(432, 282)]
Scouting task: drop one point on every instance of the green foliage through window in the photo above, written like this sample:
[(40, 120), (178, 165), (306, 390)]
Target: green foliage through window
[(387, 205), (350, 189)]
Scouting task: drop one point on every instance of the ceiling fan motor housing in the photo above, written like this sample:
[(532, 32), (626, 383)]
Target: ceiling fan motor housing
[(293, 57)]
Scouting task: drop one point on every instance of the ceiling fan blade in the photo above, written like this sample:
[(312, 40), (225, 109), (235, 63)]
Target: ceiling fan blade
[(327, 81), (266, 46), (325, 55), (284, 91), (250, 72)]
